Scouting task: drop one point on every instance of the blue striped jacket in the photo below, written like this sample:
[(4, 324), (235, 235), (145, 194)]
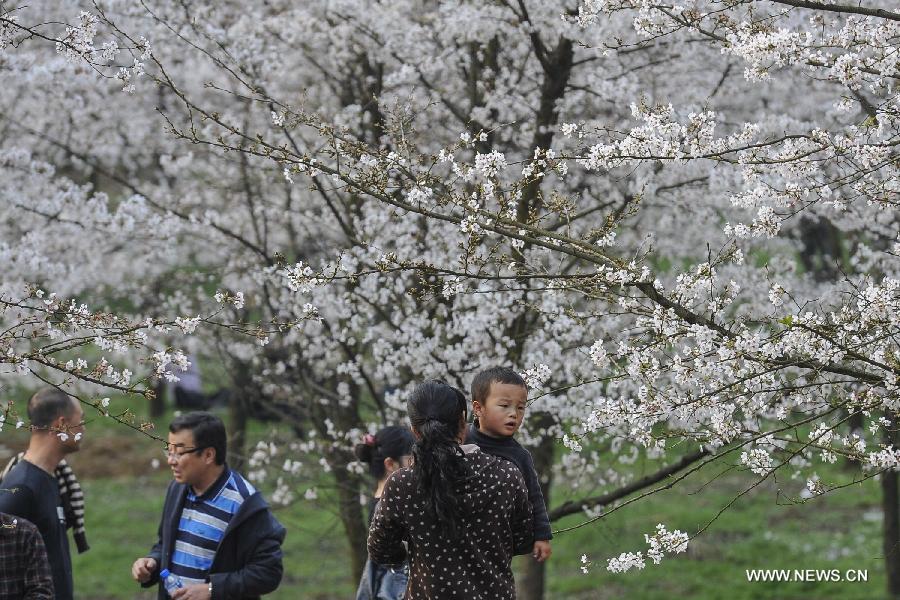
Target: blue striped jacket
[(248, 560)]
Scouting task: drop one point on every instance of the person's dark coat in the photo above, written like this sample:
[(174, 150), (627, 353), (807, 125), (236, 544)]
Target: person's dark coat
[(248, 561), (511, 450)]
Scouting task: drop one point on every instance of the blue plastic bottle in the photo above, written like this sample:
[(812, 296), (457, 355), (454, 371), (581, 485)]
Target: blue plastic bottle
[(170, 582)]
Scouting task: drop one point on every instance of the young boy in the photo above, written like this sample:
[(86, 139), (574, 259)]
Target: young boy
[(499, 397)]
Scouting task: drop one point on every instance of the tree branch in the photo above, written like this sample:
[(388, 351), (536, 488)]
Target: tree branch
[(841, 8), (575, 506)]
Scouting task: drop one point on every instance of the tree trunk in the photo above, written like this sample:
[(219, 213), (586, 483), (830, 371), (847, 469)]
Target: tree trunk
[(237, 428), (158, 401), (350, 511), (822, 254), (889, 502), (239, 402), (856, 422), (534, 574)]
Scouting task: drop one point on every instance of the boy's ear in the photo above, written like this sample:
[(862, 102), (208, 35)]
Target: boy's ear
[(476, 408)]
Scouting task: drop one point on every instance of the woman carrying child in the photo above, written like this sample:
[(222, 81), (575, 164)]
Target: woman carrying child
[(384, 453), (462, 513)]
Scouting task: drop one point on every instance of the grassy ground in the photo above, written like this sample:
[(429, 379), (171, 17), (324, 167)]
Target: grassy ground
[(841, 531)]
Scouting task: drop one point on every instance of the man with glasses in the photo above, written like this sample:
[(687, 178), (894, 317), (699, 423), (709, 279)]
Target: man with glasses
[(31, 490), (217, 533)]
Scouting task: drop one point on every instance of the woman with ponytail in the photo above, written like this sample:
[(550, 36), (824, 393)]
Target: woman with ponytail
[(384, 453), (462, 513)]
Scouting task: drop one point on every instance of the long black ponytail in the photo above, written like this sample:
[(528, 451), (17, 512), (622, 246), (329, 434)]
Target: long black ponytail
[(436, 412)]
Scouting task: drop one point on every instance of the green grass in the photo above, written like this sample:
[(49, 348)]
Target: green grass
[(841, 531), (837, 532), (760, 531)]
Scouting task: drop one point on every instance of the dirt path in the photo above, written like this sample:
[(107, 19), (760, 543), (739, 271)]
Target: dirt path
[(108, 455)]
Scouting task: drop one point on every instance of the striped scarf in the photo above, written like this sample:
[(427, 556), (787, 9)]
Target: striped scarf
[(72, 498)]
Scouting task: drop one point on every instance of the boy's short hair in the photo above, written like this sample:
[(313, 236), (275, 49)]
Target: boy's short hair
[(208, 430), (481, 385)]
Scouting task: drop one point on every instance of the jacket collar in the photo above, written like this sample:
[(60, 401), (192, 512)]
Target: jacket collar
[(252, 505), (475, 436), (213, 490)]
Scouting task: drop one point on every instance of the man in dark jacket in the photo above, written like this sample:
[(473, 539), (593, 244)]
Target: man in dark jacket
[(217, 534), (31, 490)]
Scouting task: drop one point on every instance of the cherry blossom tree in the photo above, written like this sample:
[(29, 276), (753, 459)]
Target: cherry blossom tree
[(611, 196)]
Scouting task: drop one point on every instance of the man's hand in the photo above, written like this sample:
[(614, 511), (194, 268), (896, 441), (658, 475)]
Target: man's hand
[(143, 568), (541, 550), (198, 591)]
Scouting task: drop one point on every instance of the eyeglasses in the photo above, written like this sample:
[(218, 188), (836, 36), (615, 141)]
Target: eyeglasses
[(177, 455)]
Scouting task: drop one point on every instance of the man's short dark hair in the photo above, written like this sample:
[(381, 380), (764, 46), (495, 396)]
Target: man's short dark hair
[(47, 405), (481, 385), (208, 430)]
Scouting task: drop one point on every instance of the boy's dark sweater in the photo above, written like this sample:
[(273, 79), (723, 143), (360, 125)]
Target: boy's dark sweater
[(513, 451)]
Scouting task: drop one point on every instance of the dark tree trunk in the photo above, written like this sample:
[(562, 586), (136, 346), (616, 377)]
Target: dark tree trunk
[(158, 401), (348, 484), (533, 579), (891, 508), (350, 511), (237, 428), (239, 401), (557, 64), (856, 422), (822, 252)]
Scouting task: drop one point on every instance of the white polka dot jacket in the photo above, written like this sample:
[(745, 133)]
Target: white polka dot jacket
[(497, 524)]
